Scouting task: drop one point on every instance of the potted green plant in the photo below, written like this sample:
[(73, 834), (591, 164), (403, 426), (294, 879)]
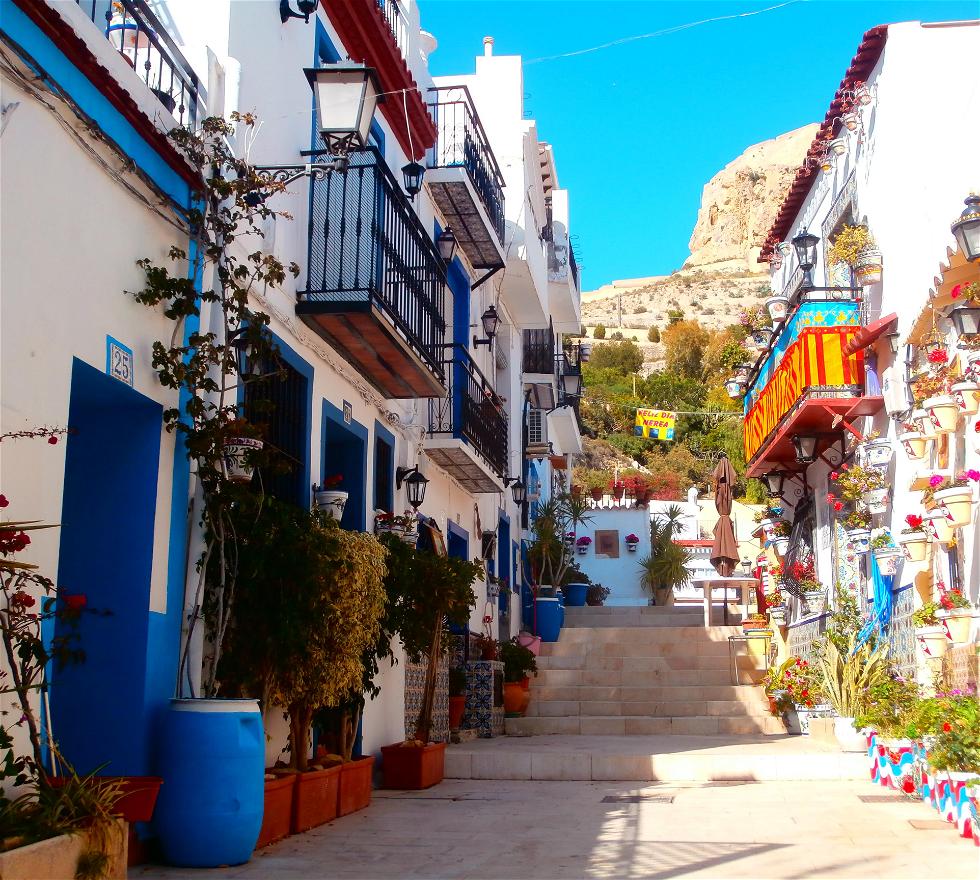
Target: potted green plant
[(666, 566), (857, 524), (855, 246), (457, 696), (864, 486), (775, 606), (930, 635), (486, 646), (596, 595), (519, 663), (779, 536), (426, 591), (240, 447)]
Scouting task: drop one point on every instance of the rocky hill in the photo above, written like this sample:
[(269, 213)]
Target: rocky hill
[(721, 275)]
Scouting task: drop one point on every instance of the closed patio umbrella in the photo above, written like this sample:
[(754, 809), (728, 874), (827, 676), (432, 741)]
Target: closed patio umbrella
[(724, 550)]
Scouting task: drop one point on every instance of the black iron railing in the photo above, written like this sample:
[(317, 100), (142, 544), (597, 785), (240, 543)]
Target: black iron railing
[(472, 410), (397, 24), (539, 351), (368, 246), (573, 265), (463, 142), (141, 38)]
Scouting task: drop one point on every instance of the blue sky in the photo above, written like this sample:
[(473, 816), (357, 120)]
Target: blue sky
[(639, 128)]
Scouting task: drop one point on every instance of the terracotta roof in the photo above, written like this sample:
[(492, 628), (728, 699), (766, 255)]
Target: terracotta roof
[(863, 62)]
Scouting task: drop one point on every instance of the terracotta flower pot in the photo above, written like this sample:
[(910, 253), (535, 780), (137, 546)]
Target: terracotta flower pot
[(516, 699), (596, 494), (354, 791), (957, 504), (915, 546), (277, 812), (944, 413), (457, 706), (957, 624), (914, 443), (315, 798), (967, 397), (137, 799), (413, 767)]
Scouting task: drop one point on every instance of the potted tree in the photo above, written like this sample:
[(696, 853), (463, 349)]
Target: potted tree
[(914, 539), (519, 663), (847, 677), (428, 589), (666, 566)]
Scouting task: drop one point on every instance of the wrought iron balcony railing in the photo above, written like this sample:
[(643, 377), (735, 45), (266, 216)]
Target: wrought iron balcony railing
[(142, 39), (368, 248), (462, 142), (573, 265), (472, 410), (539, 351), (397, 23)]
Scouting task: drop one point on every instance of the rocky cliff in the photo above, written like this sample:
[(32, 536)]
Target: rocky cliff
[(721, 276)]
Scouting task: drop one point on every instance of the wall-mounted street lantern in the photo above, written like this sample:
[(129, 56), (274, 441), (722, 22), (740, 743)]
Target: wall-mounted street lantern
[(519, 491), (806, 447), (806, 251), (446, 243), (966, 228), (571, 384), (415, 484), (774, 481), (966, 319), (412, 175), (306, 9), (490, 320), (346, 96)]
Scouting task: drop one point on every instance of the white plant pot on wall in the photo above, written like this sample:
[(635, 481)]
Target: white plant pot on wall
[(957, 504), (777, 307), (860, 540), (888, 559), (957, 623), (915, 546), (867, 267), (876, 453), (331, 502), (915, 444), (944, 413), (922, 418), (780, 545), (932, 640), (238, 452), (938, 526), (876, 500), (967, 397)]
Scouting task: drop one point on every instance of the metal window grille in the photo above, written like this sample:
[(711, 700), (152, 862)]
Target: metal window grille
[(537, 427)]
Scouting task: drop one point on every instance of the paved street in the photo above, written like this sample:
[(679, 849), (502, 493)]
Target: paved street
[(483, 829)]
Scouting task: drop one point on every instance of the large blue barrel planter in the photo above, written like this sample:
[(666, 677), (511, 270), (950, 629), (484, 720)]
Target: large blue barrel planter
[(549, 613), (575, 594), (211, 755)]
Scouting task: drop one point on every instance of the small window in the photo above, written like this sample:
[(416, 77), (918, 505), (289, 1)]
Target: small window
[(384, 476)]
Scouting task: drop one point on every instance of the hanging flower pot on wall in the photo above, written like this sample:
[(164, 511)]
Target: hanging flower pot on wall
[(915, 545), (887, 559), (777, 307), (922, 418), (867, 267), (330, 501), (632, 541), (875, 453), (957, 505), (838, 146), (932, 640), (860, 540), (944, 413), (939, 526), (914, 443), (876, 500), (582, 545), (957, 623), (238, 453), (967, 397)]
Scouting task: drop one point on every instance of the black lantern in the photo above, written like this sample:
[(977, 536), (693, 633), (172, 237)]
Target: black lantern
[(966, 319), (966, 228), (415, 484), (571, 383), (519, 491), (806, 250), (774, 483), (446, 242), (306, 9), (412, 174), (490, 319), (806, 447), (345, 96)]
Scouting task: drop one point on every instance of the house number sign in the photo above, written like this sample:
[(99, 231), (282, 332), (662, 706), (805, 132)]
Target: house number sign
[(119, 360)]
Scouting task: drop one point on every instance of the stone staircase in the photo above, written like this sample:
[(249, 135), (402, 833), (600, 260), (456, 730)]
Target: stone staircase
[(633, 671)]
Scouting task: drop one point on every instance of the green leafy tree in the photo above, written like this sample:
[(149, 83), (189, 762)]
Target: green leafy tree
[(653, 334), (625, 357), (600, 332), (684, 346), (666, 566)]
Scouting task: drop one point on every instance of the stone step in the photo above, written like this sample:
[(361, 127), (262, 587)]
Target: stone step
[(685, 620), (663, 674), (642, 725), (649, 670), (654, 693), (654, 759), (639, 635), (623, 648), (649, 708)]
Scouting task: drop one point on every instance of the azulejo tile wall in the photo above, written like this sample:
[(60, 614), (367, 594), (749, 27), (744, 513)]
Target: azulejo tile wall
[(414, 688), (801, 636), (901, 633), (961, 667), (484, 698)]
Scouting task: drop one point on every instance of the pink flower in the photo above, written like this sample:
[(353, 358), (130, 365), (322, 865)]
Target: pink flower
[(973, 474), (935, 480), (956, 291)]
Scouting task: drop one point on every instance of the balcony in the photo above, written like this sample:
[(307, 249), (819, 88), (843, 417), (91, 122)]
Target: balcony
[(467, 435), (539, 354), (143, 41), (464, 178), (564, 297), (376, 286)]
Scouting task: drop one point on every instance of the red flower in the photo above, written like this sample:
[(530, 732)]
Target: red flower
[(947, 727), (914, 521), (838, 506), (3, 501), (52, 440), (804, 693), (956, 291), (830, 498)]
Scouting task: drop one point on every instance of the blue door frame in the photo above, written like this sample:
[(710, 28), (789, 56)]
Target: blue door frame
[(345, 453)]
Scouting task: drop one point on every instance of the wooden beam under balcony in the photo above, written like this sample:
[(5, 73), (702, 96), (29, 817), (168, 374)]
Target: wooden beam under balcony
[(374, 348)]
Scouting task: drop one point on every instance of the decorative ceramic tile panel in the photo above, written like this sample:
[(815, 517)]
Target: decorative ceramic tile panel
[(799, 641), (414, 688), (901, 633), (960, 667), (484, 698)]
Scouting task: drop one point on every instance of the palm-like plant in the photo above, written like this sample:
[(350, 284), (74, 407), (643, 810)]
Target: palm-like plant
[(666, 566), (549, 554)]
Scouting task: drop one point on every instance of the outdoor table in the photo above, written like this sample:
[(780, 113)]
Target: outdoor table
[(709, 585)]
